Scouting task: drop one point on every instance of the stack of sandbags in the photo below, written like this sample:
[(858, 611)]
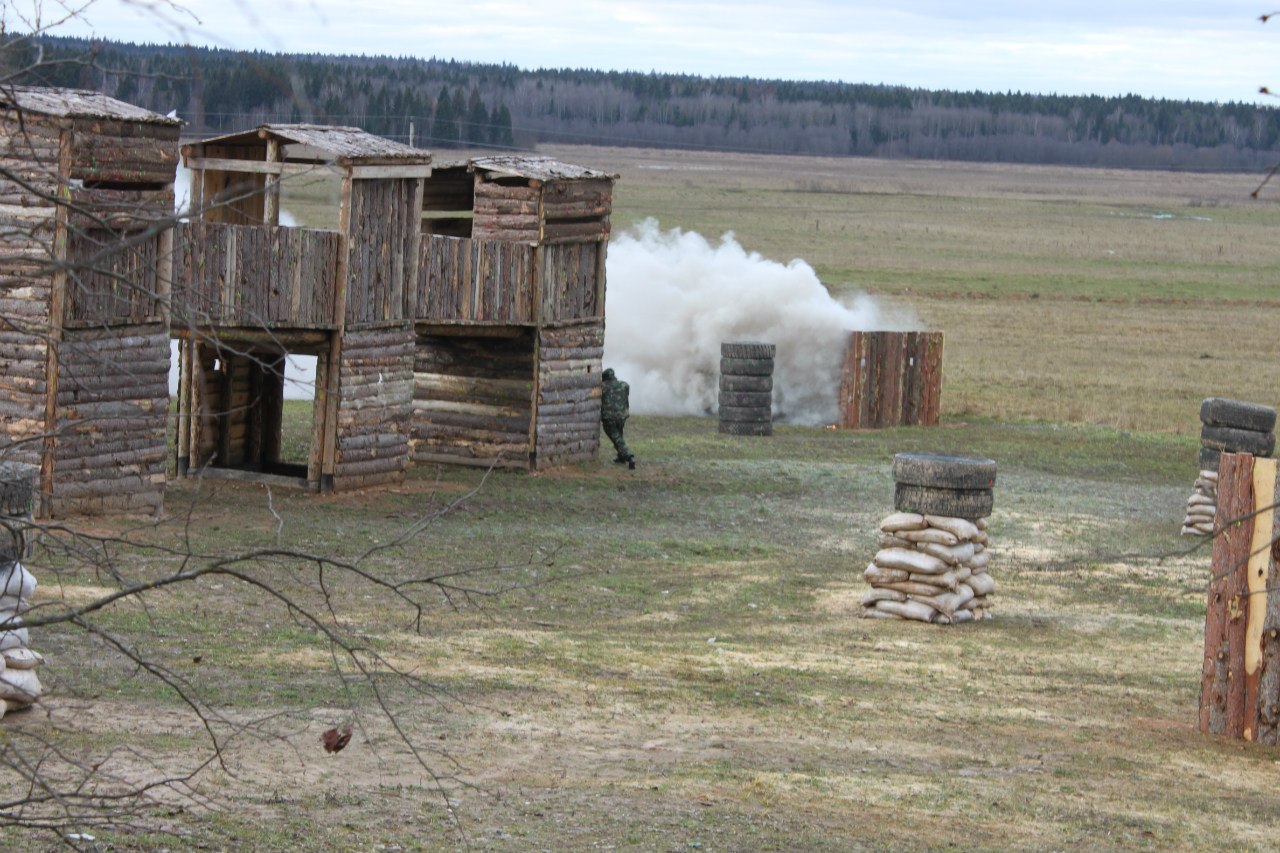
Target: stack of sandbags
[(933, 557), (746, 388), (931, 568), (19, 685), (1231, 426)]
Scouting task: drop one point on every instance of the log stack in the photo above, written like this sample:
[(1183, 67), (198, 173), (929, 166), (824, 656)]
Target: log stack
[(19, 685), (934, 554), (746, 388), (1227, 426)]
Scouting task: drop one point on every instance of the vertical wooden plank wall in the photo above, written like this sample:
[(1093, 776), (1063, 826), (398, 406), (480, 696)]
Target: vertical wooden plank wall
[(374, 407), (567, 429), (891, 379), (1240, 677), (382, 249), (112, 404)]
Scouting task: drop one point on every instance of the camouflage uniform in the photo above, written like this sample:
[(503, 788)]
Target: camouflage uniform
[(615, 408)]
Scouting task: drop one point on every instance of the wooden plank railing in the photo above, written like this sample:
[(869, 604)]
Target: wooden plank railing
[(891, 379), (468, 280), (246, 275)]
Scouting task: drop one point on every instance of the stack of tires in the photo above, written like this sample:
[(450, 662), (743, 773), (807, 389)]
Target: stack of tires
[(934, 555), (1227, 426), (19, 684), (746, 388)]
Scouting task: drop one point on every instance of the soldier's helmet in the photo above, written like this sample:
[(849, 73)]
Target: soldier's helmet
[(608, 374)]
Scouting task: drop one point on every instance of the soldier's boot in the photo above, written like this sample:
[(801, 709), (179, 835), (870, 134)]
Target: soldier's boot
[(631, 462)]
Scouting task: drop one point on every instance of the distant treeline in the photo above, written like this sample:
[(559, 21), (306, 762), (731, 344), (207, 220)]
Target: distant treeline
[(444, 103)]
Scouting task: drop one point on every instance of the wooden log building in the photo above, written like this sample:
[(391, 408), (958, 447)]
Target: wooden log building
[(250, 291), (86, 206), (510, 313), (457, 312)]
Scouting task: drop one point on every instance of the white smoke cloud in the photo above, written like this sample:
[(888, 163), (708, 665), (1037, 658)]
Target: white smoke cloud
[(673, 298)]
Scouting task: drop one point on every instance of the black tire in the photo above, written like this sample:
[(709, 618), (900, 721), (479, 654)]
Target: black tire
[(1218, 411), (1238, 440), (746, 383), (957, 503), (746, 414), (747, 350), (944, 471), (735, 428), (746, 367), (1209, 459), (17, 488), (748, 399)]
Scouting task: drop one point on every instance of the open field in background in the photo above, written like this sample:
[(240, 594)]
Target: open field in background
[(1098, 296), (682, 666)]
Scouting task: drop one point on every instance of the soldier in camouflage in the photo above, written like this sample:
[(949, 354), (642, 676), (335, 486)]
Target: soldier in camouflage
[(615, 408)]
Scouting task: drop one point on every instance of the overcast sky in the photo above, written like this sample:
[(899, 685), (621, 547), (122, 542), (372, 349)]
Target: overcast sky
[(1213, 50)]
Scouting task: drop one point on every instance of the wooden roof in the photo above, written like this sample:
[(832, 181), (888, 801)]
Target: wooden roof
[(534, 168), (343, 144), (76, 103)]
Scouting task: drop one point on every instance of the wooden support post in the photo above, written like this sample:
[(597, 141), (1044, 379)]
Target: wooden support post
[(1240, 677)]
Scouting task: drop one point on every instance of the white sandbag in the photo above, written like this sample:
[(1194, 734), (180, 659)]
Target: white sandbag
[(875, 595), (1202, 513), (914, 588), (902, 521), (930, 534), (876, 613), (20, 686), (962, 616), (909, 610), (888, 540), (978, 547), (962, 528), (950, 554), (1209, 475), (946, 580), (979, 562), (912, 561), (21, 658), (874, 574), (981, 523), (14, 638), (963, 573), (981, 583), (16, 581), (1200, 500), (982, 539)]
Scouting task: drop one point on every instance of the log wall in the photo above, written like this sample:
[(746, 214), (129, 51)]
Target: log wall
[(383, 250), (374, 407), (473, 398), (568, 415), (469, 280), (1240, 676), (891, 379), (505, 212), (239, 275), (575, 211), (124, 152), (112, 409)]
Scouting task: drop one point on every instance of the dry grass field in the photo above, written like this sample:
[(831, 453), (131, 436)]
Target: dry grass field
[(671, 659), (1091, 296)]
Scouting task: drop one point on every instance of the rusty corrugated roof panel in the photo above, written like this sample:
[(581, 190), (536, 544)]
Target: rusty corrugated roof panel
[(536, 168), (76, 103), (345, 144)]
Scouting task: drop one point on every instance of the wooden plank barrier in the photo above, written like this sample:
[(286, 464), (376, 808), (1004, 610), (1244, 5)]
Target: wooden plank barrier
[(891, 379), (1240, 679)]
